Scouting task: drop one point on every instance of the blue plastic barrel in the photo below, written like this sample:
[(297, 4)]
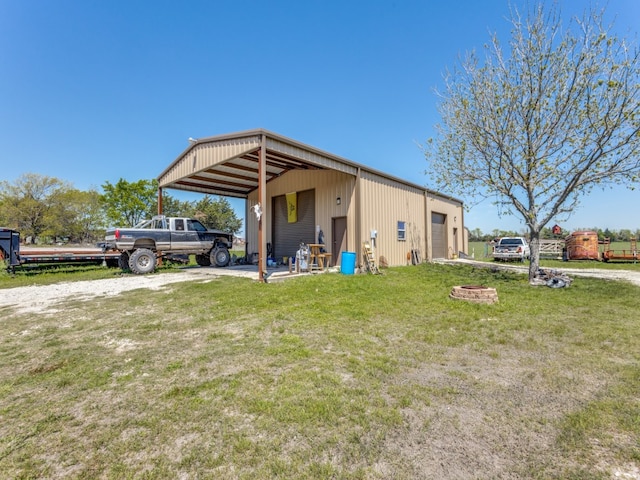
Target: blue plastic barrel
[(348, 263)]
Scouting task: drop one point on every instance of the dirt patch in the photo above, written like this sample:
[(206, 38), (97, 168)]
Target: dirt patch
[(491, 417)]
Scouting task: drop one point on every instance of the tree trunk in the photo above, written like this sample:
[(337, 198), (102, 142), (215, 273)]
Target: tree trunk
[(534, 245)]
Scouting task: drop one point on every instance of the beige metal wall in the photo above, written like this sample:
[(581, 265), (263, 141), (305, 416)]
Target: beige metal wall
[(383, 202), (328, 185)]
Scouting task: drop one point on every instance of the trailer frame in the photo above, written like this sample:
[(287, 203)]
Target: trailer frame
[(12, 256)]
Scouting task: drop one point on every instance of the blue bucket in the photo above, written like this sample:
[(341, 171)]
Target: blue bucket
[(348, 263)]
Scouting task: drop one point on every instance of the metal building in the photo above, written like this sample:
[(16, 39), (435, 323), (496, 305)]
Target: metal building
[(349, 202)]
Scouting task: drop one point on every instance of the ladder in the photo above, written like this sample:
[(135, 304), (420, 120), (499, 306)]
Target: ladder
[(369, 260)]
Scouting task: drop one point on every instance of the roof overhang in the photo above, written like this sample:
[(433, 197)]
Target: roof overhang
[(227, 165)]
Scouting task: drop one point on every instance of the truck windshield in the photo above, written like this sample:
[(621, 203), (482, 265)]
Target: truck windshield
[(195, 225)]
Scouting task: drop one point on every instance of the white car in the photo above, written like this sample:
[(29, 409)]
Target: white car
[(511, 248)]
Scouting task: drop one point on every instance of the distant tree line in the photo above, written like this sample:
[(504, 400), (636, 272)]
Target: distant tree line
[(622, 235), (49, 210)]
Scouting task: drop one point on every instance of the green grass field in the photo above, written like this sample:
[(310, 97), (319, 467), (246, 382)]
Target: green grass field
[(327, 376)]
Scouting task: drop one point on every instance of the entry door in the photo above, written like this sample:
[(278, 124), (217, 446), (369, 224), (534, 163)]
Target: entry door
[(456, 248), (338, 238)]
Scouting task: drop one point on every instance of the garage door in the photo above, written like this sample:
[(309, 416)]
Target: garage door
[(438, 235), (288, 236)]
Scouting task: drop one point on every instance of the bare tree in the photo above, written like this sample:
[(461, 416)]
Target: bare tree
[(537, 125)]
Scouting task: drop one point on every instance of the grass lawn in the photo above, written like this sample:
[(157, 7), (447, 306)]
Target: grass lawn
[(327, 376)]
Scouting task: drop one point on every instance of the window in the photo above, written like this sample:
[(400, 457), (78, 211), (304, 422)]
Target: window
[(195, 225), (402, 231), (179, 224), (157, 223)]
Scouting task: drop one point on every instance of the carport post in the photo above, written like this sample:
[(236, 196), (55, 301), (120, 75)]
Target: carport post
[(262, 199), (159, 200)]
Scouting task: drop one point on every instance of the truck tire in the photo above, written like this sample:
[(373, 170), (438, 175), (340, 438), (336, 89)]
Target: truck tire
[(123, 261), (142, 261), (220, 257), (203, 260)]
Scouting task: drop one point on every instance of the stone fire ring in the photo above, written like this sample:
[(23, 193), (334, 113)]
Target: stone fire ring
[(474, 293)]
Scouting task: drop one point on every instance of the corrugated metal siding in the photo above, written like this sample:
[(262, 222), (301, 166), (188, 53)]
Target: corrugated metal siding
[(328, 186), (206, 155), (384, 203)]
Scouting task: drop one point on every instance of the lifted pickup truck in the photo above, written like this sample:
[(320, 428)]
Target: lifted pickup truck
[(141, 246)]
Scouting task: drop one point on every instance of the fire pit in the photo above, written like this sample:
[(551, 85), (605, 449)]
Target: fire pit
[(474, 293)]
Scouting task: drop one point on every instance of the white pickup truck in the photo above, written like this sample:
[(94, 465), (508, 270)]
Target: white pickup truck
[(141, 245), (511, 248)]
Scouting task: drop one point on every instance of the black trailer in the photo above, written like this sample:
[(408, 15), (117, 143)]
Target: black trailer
[(10, 248)]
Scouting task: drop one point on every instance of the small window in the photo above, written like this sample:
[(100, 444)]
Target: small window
[(179, 224), (402, 231), (195, 225)]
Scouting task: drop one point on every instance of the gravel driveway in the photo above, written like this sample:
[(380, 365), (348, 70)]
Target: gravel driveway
[(44, 298), (41, 298)]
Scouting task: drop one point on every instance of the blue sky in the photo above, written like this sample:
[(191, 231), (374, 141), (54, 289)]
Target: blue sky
[(94, 91)]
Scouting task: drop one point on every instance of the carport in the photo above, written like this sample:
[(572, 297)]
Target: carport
[(235, 165)]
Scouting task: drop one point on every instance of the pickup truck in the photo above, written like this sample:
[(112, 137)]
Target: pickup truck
[(511, 248), (141, 246)]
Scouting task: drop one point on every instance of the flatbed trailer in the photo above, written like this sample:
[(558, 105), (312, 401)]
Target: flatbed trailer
[(13, 256), (61, 255)]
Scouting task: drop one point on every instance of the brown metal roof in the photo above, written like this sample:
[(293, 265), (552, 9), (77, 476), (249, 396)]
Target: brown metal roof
[(227, 165)]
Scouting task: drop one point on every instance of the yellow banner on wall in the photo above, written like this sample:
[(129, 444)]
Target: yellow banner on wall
[(292, 207)]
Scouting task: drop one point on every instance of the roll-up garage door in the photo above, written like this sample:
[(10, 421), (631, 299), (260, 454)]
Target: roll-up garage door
[(288, 236), (438, 235)]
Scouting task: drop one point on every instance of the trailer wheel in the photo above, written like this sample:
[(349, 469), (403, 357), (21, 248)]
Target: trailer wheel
[(123, 261), (203, 260), (142, 261), (220, 257)]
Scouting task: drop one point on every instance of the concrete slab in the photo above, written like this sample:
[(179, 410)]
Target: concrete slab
[(249, 271)]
